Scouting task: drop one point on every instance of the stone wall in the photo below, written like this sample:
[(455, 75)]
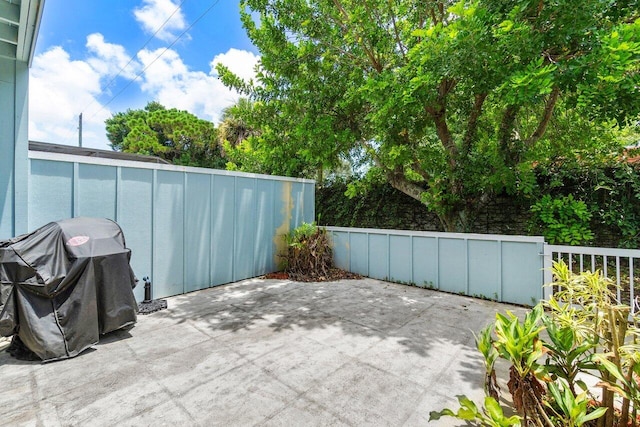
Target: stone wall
[(387, 208)]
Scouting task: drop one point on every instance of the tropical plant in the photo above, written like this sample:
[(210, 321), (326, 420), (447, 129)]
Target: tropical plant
[(491, 414), (572, 410), (586, 332)]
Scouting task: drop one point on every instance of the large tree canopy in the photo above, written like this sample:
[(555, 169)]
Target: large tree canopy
[(452, 101), (174, 135)]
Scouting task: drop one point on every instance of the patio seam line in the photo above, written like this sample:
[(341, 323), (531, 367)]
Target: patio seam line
[(172, 396), (356, 322), (422, 388), (315, 402), (35, 393), (288, 403)]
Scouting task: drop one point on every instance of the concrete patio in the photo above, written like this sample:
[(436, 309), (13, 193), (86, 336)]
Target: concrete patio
[(268, 353)]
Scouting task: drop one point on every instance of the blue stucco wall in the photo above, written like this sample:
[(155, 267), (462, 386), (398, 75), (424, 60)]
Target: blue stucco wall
[(188, 228)]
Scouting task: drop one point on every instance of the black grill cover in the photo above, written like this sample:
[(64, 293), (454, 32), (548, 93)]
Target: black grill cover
[(65, 284)]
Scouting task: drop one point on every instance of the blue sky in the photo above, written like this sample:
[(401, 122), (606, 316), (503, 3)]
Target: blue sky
[(102, 57)]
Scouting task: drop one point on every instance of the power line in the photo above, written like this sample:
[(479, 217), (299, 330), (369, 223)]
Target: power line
[(144, 45), (157, 57), (166, 21)]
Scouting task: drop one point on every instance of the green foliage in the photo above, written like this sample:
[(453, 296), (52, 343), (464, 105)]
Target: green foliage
[(234, 128), (587, 333), (607, 181), (617, 192), (373, 205), (174, 135), (518, 341), (484, 344), (567, 354), (309, 254), (573, 411), (451, 102), (491, 414), (563, 220)]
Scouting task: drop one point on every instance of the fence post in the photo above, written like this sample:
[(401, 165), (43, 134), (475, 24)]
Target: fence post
[(547, 291)]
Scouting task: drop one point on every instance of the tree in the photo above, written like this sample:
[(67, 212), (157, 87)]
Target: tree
[(452, 101), (174, 135), (234, 128)]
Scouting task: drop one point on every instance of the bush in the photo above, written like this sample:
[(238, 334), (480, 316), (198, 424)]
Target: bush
[(562, 220), (309, 254), (587, 333)]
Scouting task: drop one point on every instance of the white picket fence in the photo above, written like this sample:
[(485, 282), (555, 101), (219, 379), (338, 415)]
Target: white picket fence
[(619, 265)]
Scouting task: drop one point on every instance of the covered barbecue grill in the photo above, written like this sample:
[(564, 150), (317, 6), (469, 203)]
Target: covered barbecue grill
[(64, 285)]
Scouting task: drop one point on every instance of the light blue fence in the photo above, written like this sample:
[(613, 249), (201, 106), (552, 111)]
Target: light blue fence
[(188, 228), (504, 268)]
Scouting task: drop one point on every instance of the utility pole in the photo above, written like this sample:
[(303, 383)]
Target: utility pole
[(80, 130)]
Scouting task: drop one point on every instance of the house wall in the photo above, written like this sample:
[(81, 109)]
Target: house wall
[(188, 228), (14, 85)]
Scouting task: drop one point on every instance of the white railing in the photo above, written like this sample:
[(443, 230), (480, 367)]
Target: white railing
[(619, 265)]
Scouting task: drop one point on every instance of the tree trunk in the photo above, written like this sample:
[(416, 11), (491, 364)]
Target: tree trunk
[(453, 218)]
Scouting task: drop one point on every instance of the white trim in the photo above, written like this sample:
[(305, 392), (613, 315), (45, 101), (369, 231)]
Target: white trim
[(59, 157), (463, 236), (587, 250)]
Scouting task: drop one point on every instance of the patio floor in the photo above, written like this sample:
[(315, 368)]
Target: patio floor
[(268, 353)]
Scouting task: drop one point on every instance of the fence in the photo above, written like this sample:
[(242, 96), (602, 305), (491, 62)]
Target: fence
[(504, 268), (188, 228), (617, 264)]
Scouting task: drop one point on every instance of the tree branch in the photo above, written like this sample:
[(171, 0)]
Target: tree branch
[(419, 170), (506, 125), (505, 134), (472, 123), (439, 115), (401, 183), (370, 54), (397, 33), (546, 116)]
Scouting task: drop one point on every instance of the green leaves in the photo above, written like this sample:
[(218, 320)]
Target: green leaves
[(562, 220), (519, 341), (309, 254), (174, 135), (574, 410), (491, 415), (448, 100), (585, 330), (528, 84)]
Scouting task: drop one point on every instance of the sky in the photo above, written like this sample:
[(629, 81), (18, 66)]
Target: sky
[(102, 57)]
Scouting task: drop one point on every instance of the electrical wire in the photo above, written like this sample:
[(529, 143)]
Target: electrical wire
[(156, 58), (103, 106), (102, 91)]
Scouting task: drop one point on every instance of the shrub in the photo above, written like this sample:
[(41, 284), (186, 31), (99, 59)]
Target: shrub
[(587, 333), (562, 220), (309, 254)]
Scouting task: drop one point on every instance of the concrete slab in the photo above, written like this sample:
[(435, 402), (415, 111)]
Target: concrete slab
[(267, 353)]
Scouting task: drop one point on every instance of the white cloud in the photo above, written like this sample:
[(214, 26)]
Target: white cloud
[(170, 82), (156, 13), (59, 89), (110, 59), (240, 62)]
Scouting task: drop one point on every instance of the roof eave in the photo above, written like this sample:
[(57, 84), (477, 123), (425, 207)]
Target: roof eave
[(20, 47)]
